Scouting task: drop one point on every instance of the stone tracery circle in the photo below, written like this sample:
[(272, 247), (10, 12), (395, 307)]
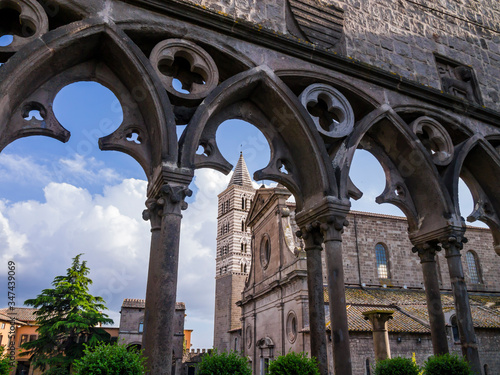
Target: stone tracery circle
[(201, 66), (437, 141), (33, 22), (337, 106)]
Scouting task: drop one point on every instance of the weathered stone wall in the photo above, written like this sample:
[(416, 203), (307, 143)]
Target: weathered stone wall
[(404, 266), (402, 37), (269, 13)]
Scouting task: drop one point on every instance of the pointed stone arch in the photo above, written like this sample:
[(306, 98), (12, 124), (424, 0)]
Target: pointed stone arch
[(248, 96), (476, 161), (413, 182), (83, 51)]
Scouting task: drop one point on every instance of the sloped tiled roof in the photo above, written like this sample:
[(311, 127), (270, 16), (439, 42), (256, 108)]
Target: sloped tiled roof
[(24, 314), (410, 308)]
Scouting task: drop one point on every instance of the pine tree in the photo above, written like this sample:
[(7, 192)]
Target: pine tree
[(68, 315)]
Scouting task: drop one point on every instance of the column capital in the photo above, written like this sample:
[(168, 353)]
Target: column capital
[(379, 318), (312, 236), (427, 251), (453, 244), (168, 200)]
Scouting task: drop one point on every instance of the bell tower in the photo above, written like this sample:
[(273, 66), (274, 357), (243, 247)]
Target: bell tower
[(233, 257)]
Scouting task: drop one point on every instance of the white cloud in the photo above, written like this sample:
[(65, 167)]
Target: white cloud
[(43, 237)]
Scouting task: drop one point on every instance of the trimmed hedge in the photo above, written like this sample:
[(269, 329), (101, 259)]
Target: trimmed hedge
[(293, 364), (397, 366), (109, 359), (224, 364), (447, 364)]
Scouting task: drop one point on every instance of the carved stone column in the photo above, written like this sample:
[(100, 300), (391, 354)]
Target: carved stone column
[(332, 230), (313, 240), (427, 254), (164, 213), (379, 319), (468, 341)]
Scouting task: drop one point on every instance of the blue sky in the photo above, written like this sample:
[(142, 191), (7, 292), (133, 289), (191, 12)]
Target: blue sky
[(58, 200)]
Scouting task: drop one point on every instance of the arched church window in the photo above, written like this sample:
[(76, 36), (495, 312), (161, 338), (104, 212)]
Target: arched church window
[(141, 327), (242, 226), (245, 268), (382, 261), (243, 203), (473, 266), (265, 251), (367, 364), (454, 328)]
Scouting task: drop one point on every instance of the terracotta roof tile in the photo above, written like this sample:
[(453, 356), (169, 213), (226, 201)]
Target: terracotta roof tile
[(24, 314), (410, 307)]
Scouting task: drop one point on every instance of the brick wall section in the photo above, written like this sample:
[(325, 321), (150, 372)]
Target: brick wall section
[(405, 268)]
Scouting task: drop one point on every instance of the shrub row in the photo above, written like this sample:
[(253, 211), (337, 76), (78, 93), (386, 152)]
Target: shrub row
[(436, 365)]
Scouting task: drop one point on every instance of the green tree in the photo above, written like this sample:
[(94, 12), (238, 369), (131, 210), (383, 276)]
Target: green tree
[(293, 364), (105, 358), (68, 316), (224, 364), (5, 365)]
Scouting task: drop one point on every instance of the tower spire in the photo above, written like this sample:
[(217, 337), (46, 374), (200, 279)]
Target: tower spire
[(241, 176)]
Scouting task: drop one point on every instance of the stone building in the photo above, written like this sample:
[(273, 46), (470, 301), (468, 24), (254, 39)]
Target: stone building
[(380, 271), (132, 329)]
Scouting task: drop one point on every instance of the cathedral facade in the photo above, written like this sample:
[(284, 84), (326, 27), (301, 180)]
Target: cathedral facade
[(262, 307)]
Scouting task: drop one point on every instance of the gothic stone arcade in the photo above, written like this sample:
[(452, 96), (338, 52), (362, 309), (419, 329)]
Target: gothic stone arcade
[(266, 65)]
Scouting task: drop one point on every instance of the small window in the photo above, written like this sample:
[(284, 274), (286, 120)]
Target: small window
[(454, 328), (1, 339), (3, 325), (243, 203), (486, 370), (367, 364), (141, 327), (33, 337), (473, 266), (242, 226), (24, 339), (235, 344), (382, 262)]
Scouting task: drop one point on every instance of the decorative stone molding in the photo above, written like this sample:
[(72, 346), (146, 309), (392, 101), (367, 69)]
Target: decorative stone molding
[(435, 139), (188, 63), (330, 110)]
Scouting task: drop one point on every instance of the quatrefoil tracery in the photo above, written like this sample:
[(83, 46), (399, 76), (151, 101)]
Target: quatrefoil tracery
[(187, 71), (435, 139), (330, 110)]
